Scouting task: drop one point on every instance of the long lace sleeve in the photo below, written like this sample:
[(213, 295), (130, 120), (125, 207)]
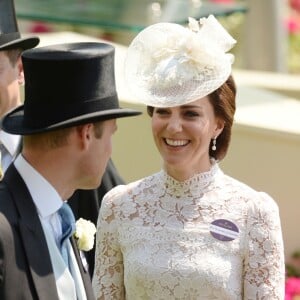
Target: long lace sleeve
[(264, 259), (108, 274)]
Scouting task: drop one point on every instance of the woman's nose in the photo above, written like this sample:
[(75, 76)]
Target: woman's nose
[(174, 125)]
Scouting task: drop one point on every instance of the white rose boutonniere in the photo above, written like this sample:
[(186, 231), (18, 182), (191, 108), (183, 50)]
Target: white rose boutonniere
[(85, 234)]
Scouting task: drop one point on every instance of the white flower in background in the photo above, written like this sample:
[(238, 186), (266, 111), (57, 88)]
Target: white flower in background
[(85, 234)]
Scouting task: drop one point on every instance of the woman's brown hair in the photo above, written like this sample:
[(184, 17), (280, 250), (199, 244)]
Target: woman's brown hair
[(223, 102)]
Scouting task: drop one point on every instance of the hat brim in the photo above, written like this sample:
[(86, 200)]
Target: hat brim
[(23, 43), (13, 122), (169, 65)]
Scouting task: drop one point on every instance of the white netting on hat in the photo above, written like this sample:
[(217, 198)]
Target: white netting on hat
[(169, 65)]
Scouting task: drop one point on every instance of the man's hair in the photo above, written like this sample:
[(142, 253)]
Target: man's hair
[(98, 129), (57, 138), (48, 140), (13, 55)]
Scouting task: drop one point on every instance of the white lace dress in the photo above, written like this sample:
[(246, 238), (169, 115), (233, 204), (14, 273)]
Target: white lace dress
[(158, 238)]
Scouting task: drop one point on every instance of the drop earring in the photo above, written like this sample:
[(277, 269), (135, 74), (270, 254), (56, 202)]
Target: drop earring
[(214, 147)]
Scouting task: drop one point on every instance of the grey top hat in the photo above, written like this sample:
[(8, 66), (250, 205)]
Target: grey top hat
[(10, 36), (66, 85)]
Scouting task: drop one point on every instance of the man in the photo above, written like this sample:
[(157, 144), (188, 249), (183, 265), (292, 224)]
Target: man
[(11, 74), (67, 122), (84, 203)]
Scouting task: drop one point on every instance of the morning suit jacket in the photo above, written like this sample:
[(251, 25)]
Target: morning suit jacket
[(25, 267), (86, 203)]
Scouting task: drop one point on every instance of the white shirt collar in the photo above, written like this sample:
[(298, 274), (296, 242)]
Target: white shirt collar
[(10, 142), (44, 196)]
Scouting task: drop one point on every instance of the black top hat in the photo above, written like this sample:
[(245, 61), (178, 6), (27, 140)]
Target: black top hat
[(66, 85), (10, 36)]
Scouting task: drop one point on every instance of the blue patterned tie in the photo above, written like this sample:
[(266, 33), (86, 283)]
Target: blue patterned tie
[(68, 228)]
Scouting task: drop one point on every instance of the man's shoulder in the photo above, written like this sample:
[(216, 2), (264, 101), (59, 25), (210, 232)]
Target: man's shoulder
[(10, 186), (8, 212)]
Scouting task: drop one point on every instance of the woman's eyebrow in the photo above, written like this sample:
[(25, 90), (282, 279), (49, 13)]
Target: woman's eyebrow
[(191, 106)]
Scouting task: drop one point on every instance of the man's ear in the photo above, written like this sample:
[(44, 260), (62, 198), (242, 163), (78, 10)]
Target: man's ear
[(21, 79), (84, 133)]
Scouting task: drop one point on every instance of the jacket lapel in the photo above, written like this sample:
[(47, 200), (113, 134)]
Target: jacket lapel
[(33, 238), (84, 273)]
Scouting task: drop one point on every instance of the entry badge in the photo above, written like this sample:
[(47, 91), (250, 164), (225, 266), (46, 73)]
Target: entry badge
[(223, 230)]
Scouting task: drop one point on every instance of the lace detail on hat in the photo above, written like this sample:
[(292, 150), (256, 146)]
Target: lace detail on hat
[(169, 65), (154, 241)]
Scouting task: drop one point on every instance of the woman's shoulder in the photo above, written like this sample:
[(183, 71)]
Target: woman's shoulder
[(252, 196), (124, 191)]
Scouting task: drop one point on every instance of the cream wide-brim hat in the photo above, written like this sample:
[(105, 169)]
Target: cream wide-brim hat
[(170, 65)]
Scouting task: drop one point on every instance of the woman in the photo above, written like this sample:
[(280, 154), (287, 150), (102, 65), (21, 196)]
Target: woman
[(188, 231)]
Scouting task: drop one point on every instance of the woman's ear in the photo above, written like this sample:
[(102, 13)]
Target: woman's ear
[(219, 127)]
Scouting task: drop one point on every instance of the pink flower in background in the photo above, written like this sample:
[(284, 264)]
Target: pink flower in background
[(293, 25), (38, 27), (295, 4), (292, 288)]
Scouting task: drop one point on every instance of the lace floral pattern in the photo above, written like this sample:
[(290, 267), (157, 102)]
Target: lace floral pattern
[(154, 241)]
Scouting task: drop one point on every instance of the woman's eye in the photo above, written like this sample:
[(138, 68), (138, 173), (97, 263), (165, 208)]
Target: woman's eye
[(161, 111), (191, 114)]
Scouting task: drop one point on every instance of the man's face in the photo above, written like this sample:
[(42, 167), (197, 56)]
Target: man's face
[(9, 84), (97, 155), (103, 147)]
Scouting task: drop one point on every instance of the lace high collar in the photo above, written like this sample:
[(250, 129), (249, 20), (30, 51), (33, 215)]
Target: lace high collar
[(194, 185)]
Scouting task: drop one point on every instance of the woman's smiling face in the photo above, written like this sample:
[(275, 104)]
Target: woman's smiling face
[(182, 135)]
